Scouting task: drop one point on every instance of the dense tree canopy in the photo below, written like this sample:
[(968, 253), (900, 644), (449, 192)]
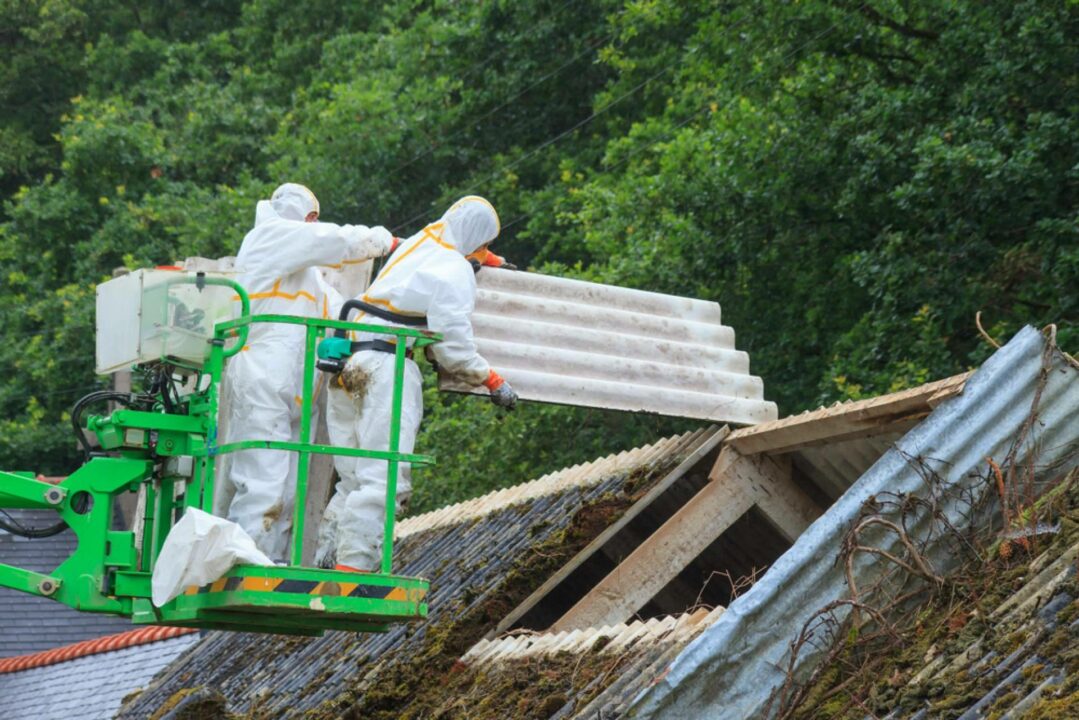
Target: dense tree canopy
[(851, 181)]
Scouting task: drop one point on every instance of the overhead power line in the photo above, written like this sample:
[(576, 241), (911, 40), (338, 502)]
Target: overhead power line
[(706, 107), (550, 141)]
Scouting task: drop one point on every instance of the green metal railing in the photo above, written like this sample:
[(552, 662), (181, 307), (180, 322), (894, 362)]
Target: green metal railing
[(315, 329)]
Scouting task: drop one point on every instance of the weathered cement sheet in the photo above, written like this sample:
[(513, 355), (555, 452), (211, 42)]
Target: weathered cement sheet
[(579, 343)]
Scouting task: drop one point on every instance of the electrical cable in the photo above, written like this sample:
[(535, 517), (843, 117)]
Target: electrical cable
[(670, 134), (550, 141), (591, 47), (15, 527), (554, 139)]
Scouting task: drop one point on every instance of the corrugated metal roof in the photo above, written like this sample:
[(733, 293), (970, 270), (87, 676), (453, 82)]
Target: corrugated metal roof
[(470, 560), (579, 343), (738, 662)]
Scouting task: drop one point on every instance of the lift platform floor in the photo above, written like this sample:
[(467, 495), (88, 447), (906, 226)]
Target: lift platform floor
[(293, 600)]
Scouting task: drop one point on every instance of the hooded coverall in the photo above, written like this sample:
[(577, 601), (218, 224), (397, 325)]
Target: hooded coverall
[(427, 275), (264, 382)]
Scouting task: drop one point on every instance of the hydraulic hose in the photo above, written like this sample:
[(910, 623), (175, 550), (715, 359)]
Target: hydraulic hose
[(14, 527), (357, 304)]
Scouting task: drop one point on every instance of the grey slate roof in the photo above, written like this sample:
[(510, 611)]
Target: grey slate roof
[(29, 623), (478, 568), (88, 687)]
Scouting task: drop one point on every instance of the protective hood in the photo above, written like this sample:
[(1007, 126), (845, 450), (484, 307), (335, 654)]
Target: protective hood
[(471, 222), (292, 201)]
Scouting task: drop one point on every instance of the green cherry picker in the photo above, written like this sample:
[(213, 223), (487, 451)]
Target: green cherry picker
[(163, 444)]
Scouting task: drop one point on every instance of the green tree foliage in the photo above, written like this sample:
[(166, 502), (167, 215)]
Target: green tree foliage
[(851, 181)]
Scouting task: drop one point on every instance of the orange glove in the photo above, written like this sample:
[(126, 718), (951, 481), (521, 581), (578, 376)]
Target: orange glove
[(493, 381)]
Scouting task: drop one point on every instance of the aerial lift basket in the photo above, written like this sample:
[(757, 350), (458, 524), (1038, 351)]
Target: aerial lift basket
[(164, 445)]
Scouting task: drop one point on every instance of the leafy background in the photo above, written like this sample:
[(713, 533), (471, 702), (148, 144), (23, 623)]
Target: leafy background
[(851, 181)]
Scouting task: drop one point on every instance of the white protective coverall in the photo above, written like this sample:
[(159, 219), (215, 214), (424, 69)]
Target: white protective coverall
[(278, 263), (427, 275)]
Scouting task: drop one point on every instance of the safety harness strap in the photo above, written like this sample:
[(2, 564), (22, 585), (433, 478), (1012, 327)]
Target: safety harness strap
[(379, 345)]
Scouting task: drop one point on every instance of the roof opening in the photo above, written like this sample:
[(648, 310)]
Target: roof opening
[(723, 570), (564, 589)]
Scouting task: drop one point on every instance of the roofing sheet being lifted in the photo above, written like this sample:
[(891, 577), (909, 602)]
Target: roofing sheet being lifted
[(733, 667), (580, 343)]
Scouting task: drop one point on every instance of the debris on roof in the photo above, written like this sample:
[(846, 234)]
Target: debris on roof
[(1010, 650), (599, 590)]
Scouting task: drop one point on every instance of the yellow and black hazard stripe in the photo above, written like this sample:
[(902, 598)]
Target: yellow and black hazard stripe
[(310, 587)]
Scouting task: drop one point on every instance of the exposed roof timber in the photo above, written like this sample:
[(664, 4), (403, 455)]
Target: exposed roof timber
[(896, 412), (578, 343), (738, 483), (708, 442)]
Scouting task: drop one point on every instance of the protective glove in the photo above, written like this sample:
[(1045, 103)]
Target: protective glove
[(492, 260), (383, 237), (502, 394), (394, 244)]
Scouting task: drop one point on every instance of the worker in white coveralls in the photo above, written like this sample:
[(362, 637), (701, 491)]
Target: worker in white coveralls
[(430, 275), (278, 262)]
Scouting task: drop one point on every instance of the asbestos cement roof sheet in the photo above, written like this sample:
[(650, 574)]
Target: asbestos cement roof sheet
[(579, 343), (1019, 407), (481, 559)]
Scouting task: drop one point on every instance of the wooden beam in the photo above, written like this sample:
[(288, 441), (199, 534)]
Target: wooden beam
[(708, 443), (786, 507), (738, 483), (863, 418)]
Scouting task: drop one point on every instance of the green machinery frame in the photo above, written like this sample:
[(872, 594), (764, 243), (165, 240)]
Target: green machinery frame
[(171, 457)]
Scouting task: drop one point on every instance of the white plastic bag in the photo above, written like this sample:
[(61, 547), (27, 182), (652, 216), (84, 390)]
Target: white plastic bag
[(200, 549)]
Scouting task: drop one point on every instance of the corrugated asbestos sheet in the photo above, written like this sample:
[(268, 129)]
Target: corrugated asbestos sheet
[(732, 668), (469, 559), (837, 466), (1033, 620), (578, 343), (610, 640), (550, 484)]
